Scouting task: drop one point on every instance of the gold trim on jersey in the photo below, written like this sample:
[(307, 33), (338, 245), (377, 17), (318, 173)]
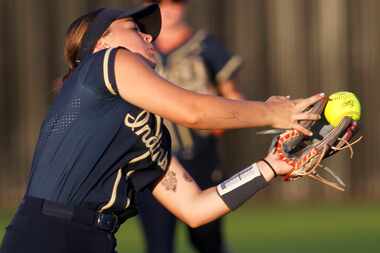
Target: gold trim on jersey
[(114, 192), (129, 173), (229, 68), (105, 72), (128, 203), (158, 124), (129, 197), (140, 157)]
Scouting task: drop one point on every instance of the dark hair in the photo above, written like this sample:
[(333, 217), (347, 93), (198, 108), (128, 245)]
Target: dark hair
[(73, 39), (72, 44)]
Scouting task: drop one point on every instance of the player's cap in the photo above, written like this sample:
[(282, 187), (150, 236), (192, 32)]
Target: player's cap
[(147, 17)]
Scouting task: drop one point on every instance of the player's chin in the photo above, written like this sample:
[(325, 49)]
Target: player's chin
[(152, 61), (150, 56)]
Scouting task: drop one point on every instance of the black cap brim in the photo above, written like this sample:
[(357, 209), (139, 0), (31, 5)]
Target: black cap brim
[(147, 17)]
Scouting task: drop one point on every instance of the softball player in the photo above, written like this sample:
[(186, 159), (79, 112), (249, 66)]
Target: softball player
[(103, 140), (196, 61)]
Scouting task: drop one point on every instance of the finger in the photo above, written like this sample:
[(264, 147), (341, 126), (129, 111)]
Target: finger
[(307, 116), (275, 98), (304, 103), (281, 97), (303, 130)]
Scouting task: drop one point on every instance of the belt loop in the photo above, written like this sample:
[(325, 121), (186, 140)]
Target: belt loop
[(50, 208)]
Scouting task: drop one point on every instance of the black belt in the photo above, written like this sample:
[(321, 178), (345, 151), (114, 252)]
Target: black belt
[(82, 215)]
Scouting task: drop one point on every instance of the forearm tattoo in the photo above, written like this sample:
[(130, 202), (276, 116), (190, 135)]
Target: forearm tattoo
[(170, 181), (233, 115)]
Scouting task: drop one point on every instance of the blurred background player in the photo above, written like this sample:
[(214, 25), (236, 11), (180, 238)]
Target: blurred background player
[(200, 63)]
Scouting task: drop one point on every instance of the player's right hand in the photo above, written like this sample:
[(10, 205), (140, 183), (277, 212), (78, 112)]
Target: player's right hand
[(286, 113)]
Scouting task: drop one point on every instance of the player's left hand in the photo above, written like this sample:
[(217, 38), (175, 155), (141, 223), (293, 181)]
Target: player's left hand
[(289, 114)]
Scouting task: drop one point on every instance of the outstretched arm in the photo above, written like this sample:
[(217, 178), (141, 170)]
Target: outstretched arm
[(180, 194), (140, 85)]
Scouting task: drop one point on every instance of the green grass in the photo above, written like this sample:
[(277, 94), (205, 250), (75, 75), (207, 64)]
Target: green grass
[(306, 228)]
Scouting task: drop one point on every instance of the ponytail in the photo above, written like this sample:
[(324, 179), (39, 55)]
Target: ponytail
[(72, 44)]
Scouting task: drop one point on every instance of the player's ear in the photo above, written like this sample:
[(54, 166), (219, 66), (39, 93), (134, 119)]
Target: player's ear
[(102, 43)]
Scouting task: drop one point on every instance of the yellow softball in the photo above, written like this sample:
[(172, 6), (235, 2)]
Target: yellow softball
[(341, 104)]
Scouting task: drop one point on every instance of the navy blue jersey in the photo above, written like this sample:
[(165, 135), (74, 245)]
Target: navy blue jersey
[(94, 148)]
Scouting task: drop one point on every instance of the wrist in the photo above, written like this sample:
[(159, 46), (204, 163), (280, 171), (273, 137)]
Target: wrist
[(280, 167), (268, 113), (263, 109), (241, 186), (266, 171)]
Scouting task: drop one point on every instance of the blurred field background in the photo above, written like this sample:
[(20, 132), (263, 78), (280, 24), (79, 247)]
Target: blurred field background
[(286, 228), (290, 47)]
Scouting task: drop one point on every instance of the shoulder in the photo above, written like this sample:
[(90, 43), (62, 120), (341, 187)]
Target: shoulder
[(99, 70), (211, 41)]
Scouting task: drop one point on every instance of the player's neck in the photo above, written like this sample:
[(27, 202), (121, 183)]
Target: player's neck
[(171, 38)]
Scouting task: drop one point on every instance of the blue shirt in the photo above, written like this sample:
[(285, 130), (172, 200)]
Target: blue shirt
[(94, 148)]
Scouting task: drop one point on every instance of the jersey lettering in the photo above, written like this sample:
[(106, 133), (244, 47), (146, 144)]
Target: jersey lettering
[(152, 140)]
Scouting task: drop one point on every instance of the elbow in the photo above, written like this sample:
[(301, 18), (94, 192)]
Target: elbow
[(194, 225), (191, 117), (192, 120), (193, 111), (194, 221)]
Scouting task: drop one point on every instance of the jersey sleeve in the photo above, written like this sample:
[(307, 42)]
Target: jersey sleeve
[(100, 75), (222, 64), (145, 178), (146, 174)]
